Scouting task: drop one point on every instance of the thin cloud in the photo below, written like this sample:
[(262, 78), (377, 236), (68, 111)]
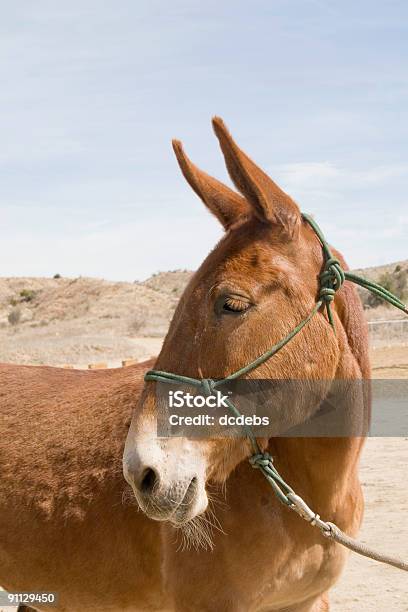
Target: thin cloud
[(94, 94)]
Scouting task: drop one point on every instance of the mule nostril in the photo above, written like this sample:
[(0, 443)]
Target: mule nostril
[(149, 479)]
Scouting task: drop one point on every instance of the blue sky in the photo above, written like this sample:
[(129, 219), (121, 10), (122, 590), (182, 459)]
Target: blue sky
[(92, 93)]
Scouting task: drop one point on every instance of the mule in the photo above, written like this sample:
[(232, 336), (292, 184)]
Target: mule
[(64, 527)]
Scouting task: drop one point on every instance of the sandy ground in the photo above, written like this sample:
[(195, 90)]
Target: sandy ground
[(368, 586)]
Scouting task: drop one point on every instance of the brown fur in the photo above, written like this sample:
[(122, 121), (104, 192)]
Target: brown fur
[(64, 526)]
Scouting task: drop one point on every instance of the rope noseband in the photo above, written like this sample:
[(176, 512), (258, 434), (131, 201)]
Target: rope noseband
[(331, 280)]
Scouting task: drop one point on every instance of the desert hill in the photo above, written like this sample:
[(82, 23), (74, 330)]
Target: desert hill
[(77, 321), (62, 320)]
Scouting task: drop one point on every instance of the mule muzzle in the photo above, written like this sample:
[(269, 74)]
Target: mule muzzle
[(161, 499)]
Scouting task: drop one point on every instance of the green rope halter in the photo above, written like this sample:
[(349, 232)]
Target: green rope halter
[(331, 279)]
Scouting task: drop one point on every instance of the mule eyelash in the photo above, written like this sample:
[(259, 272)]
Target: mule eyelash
[(233, 304)]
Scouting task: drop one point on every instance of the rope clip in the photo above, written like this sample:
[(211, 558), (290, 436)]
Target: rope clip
[(300, 506)]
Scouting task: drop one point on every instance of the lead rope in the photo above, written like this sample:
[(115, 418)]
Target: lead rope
[(327, 529), (330, 280)]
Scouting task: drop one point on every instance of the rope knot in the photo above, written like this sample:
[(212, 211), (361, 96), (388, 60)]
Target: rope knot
[(331, 279), (260, 460), (208, 386)]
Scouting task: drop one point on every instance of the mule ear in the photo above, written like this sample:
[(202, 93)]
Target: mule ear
[(270, 203), (227, 205)]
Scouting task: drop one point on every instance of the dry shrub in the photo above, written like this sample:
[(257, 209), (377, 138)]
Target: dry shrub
[(138, 322), (14, 316), (395, 281)]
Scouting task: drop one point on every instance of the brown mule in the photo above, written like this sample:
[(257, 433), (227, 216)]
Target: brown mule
[(63, 526)]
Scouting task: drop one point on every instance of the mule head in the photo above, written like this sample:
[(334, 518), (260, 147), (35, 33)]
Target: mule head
[(258, 283)]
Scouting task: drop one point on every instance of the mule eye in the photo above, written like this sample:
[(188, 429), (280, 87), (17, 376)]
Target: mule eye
[(233, 304)]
